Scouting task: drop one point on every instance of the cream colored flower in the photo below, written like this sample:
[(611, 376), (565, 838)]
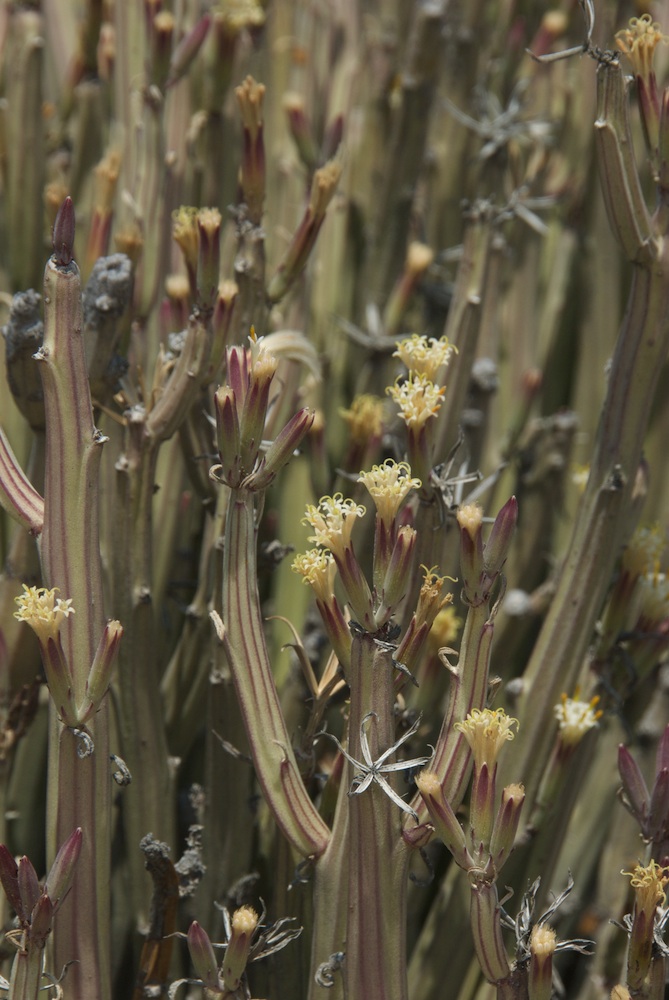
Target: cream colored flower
[(424, 355), (576, 718), (364, 419), (487, 731), (649, 886), (43, 611), (317, 567), (639, 41), (333, 519), (389, 485), (418, 399)]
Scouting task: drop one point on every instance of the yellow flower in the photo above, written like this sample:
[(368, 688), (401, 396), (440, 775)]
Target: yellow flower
[(418, 399), (430, 600), (639, 41), (445, 628), (576, 718), (333, 519), (643, 551), (364, 418), (318, 569), (648, 883), (487, 731), (184, 232), (389, 485), (424, 355), (44, 612)]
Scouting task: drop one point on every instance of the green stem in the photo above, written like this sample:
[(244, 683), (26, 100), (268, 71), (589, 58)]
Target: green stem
[(26, 974), (246, 650), (79, 790), (375, 965)]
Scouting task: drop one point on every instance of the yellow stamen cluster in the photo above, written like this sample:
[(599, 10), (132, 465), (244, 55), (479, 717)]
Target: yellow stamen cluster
[(317, 567), (418, 398), (364, 419), (543, 941), (648, 883), (240, 14), (470, 519), (424, 355), (487, 730), (576, 718), (389, 485), (639, 41), (43, 611), (333, 519)]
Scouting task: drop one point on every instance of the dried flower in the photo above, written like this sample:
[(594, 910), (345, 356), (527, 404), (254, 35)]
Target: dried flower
[(639, 41)]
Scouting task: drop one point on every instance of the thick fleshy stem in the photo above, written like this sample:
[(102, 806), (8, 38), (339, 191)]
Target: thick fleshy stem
[(78, 789)]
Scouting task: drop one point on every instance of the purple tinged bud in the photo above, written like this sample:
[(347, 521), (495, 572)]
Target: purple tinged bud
[(228, 436), (9, 872), (244, 923), (506, 824), (445, 821), (99, 676), (634, 786), (497, 546), (63, 234), (61, 873), (332, 138), (281, 449), (543, 943), (187, 49), (238, 373), (28, 885), (658, 811), (202, 956)]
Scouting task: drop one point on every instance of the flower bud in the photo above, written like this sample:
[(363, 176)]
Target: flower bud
[(637, 796), (61, 873), (282, 448), (202, 956), (9, 879), (29, 888), (506, 824), (445, 821), (41, 919), (244, 923), (99, 676), (496, 548), (542, 948)]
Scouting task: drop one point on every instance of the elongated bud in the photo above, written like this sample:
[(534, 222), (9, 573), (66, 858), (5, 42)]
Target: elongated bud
[(398, 575), (187, 49), (209, 255), (63, 234), (228, 438), (244, 923), (542, 948), (658, 811), (470, 519), (61, 873), (202, 956), (282, 448), (99, 677), (636, 794), (28, 885), (496, 548), (506, 824), (445, 821)]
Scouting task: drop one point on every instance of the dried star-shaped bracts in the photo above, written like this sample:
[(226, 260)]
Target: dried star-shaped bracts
[(368, 770)]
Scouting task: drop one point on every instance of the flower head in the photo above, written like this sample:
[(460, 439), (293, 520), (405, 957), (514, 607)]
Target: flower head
[(333, 519), (364, 418), (424, 355), (487, 730), (576, 718), (648, 883), (317, 568), (418, 399), (638, 42), (389, 485), (43, 611)]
